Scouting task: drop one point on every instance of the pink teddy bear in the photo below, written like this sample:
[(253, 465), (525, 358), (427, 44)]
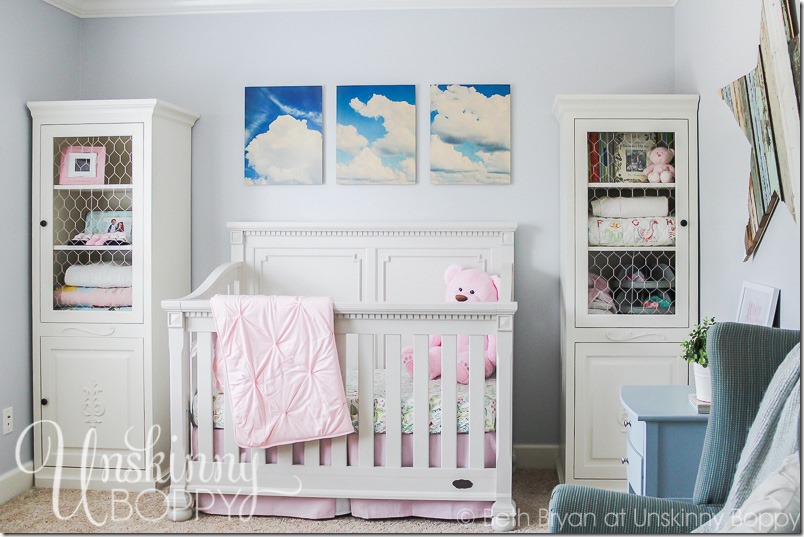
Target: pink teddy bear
[(463, 285), (660, 171)]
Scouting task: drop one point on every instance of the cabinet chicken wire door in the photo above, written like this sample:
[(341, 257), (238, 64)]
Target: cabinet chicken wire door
[(90, 231), (632, 232)]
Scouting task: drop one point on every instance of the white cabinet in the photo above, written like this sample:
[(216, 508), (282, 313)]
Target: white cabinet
[(629, 265), (111, 239), (600, 370), (93, 385)]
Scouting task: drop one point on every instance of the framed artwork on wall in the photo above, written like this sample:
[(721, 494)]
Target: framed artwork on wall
[(82, 165), (757, 304), (780, 59), (375, 136), (470, 134), (765, 103), (283, 140)]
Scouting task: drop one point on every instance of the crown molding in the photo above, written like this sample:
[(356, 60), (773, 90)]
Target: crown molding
[(87, 9)]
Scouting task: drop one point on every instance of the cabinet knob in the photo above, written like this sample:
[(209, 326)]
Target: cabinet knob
[(626, 423), (43, 223), (624, 460), (683, 223), (44, 402)]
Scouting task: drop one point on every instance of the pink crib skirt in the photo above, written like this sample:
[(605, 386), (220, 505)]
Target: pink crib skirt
[(321, 508)]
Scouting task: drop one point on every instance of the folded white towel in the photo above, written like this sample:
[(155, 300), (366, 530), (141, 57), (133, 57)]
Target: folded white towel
[(630, 207), (98, 275)]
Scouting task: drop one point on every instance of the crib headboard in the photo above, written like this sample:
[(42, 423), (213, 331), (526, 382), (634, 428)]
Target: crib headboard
[(369, 262)]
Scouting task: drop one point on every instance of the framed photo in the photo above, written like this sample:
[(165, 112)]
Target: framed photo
[(757, 304), (82, 165), (631, 156), (108, 222)]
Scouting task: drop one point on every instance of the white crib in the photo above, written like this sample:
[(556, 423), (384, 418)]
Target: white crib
[(386, 280)]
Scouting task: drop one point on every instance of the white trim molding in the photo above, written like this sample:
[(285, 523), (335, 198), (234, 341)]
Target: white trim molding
[(87, 9), (15, 482)]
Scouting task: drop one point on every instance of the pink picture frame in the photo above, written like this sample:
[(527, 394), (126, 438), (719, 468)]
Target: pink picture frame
[(757, 304), (82, 165)]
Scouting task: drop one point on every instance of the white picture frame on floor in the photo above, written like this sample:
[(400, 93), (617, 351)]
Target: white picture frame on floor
[(757, 304)]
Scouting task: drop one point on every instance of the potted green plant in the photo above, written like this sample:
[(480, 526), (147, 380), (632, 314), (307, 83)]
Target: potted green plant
[(694, 348)]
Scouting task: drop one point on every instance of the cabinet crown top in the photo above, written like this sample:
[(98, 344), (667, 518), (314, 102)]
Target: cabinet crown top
[(623, 105), (61, 111)]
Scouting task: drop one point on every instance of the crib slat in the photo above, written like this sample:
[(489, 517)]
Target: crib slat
[(312, 453), (365, 389), (204, 377), (284, 455), (338, 452), (258, 456), (449, 414), (477, 384), (230, 448), (421, 402), (393, 403)]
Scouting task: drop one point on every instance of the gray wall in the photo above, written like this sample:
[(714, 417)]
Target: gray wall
[(204, 62), (39, 58), (709, 55)]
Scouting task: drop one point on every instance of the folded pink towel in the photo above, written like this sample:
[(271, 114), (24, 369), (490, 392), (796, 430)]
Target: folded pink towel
[(99, 297)]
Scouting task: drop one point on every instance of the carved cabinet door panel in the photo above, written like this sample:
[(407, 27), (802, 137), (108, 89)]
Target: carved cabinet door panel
[(601, 369), (92, 403)]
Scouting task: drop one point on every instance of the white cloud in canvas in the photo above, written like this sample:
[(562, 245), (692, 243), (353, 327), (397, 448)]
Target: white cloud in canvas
[(376, 135), (470, 134), (283, 135)]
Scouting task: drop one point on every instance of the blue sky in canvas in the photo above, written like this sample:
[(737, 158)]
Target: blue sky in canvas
[(376, 134), (470, 134), (274, 115)]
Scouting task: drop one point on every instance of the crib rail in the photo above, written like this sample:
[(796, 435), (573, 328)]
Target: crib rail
[(369, 337)]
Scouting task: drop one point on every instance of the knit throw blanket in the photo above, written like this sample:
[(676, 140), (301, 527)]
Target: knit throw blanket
[(773, 436)]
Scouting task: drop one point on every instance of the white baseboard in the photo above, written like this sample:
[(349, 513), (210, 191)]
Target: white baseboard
[(15, 482), (536, 456)]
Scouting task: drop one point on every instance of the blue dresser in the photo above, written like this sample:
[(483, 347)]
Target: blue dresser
[(665, 439)]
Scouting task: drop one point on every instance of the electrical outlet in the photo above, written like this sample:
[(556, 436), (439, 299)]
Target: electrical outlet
[(8, 420)]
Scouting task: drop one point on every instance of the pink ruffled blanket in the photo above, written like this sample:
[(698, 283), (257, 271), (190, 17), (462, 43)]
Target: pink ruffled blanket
[(281, 366)]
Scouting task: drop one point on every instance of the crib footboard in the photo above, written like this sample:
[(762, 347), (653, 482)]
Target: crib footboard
[(370, 340)]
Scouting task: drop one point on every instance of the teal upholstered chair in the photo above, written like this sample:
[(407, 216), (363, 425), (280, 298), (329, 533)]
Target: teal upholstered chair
[(743, 359)]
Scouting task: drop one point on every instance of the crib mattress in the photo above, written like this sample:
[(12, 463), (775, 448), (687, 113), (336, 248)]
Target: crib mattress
[(407, 404)]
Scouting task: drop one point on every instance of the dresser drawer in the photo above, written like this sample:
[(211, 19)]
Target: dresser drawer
[(636, 433), (635, 470)]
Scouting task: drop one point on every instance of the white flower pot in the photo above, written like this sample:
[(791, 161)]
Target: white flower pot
[(703, 382)]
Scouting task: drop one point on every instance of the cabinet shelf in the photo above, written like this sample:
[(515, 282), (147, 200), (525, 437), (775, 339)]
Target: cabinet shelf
[(632, 185), (93, 187), (632, 248), (71, 248)]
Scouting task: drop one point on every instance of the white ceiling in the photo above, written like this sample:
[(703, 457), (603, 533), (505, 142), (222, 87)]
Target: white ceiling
[(135, 8)]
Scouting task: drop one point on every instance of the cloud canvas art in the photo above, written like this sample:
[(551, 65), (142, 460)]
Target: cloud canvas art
[(376, 135), (470, 134), (283, 140)]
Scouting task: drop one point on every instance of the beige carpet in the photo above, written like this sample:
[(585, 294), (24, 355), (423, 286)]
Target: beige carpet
[(33, 512)]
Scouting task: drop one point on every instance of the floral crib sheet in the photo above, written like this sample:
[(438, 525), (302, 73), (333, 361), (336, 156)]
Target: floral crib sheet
[(642, 231), (380, 417)]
